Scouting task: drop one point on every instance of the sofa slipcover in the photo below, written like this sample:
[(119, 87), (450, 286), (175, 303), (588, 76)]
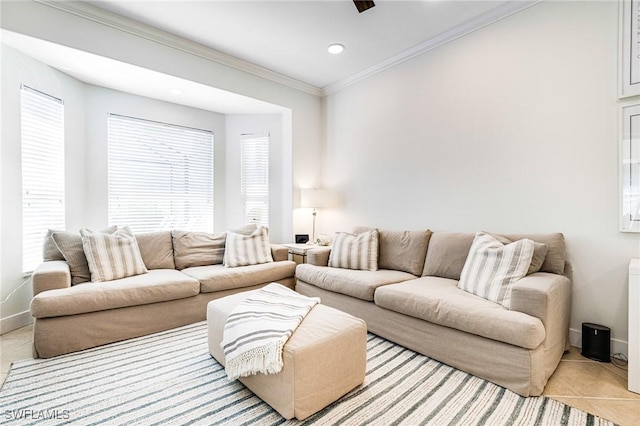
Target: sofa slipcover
[(360, 284), (217, 277), (158, 285), (518, 348), (440, 301), (72, 317)]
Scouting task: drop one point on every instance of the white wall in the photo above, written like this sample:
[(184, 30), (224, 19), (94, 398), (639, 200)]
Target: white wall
[(510, 129), (20, 69), (100, 102)]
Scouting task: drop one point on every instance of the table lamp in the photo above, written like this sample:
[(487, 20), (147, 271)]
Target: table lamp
[(315, 199)]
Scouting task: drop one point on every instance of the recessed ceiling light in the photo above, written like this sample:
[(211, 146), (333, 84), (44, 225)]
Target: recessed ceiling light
[(335, 48), (175, 91)]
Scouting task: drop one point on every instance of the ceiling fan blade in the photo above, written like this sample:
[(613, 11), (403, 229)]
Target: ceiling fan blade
[(363, 5)]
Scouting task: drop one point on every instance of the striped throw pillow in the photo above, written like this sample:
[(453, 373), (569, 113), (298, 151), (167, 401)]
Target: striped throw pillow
[(244, 250), (70, 245), (355, 251), (112, 256), (492, 267)]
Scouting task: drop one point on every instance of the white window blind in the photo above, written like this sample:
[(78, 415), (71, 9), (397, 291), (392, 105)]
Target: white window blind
[(254, 171), (160, 175), (42, 140)]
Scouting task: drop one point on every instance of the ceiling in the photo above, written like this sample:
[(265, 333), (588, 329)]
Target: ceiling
[(105, 72), (291, 37), (282, 40)]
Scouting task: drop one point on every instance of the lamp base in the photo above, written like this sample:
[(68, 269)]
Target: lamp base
[(313, 234)]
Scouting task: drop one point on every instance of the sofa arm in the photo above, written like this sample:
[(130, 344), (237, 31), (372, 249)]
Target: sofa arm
[(319, 256), (50, 275), (279, 252), (545, 296)]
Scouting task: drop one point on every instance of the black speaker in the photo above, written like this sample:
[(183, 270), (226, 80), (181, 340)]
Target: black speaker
[(596, 342)]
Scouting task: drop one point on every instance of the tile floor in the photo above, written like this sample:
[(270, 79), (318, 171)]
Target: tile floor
[(599, 388), (596, 387)]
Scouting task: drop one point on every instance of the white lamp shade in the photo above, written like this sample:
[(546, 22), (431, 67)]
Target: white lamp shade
[(315, 198)]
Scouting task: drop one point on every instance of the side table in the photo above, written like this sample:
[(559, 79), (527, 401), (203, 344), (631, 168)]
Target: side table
[(298, 252)]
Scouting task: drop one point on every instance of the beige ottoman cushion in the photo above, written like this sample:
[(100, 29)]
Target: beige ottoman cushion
[(323, 360)]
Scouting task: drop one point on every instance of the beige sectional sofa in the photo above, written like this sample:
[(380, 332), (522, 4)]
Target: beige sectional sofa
[(71, 317), (414, 300)]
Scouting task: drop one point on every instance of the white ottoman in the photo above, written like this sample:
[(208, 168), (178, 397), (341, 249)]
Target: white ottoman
[(324, 359)]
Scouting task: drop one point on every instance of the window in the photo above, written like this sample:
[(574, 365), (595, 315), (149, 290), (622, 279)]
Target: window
[(254, 172), (42, 136), (160, 175)]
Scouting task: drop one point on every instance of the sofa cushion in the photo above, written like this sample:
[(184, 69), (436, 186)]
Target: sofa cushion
[(159, 285), (401, 250), (492, 267), (319, 256), (355, 251), (447, 253), (197, 248), (539, 253), (354, 283), (244, 250), (279, 252), (49, 249), (556, 250), (217, 277), (70, 245), (156, 249), (440, 301), (112, 256)]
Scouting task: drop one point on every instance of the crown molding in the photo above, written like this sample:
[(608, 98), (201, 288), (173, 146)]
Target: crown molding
[(101, 16), (494, 15), (118, 22)]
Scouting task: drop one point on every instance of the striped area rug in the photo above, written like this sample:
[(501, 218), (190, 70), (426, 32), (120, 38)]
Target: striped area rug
[(170, 378)]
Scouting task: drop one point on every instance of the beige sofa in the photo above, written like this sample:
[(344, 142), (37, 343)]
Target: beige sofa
[(71, 317), (414, 300)]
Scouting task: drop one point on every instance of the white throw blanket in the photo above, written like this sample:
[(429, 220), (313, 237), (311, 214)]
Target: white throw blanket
[(257, 329)]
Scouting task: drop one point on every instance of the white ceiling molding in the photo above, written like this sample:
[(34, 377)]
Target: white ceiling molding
[(87, 11), (490, 17), (90, 12)]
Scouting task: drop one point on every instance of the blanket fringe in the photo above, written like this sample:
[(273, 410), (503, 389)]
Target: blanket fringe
[(266, 359)]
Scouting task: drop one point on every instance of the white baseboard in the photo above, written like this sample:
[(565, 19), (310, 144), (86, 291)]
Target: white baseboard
[(15, 322), (617, 346)]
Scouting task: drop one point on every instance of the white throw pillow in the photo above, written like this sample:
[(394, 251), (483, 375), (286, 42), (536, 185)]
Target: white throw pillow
[(492, 267), (355, 251), (244, 250), (112, 256)]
